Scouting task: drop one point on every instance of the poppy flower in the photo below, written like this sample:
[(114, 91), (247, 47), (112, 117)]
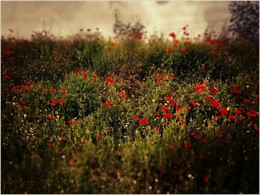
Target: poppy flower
[(64, 91), (62, 100), (233, 117), (107, 104), (235, 86), (167, 115), (143, 121), (72, 160), (194, 104), (28, 82), (236, 111), (200, 88), (123, 95), (70, 121), (79, 71), (157, 128), (50, 117), (215, 104), (236, 91), (171, 76), (222, 131), (173, 102), (178, 108), (167, 98), (208, 99), (256, 96), (188, 108), (53, 89), (187, 145), (84, 75), (252, 113), (246, 100), (136, 118), (53, 103), (62, 138), (206, 179), (113, 44), (183, 50), (171, 147), (109, 80), (169, 49), (173, 35), (98, 136), (213, 90), (224, 112), (165, 108)]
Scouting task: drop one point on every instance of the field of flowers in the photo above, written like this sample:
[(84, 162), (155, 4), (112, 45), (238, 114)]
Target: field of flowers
[(86, 114)]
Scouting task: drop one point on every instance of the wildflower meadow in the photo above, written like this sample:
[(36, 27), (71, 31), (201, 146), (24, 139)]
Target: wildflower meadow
[(135, 114)]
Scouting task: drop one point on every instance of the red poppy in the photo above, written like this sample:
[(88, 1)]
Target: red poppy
[(25, 88), (50, 117), (109, 80), (235, 86), (208, 99), (188, 108), (136, 118), (206, 179), (85, 75), (246, 100), (28, 82), (236, 91), (167, 115), (157, 128), (53, 103), (224, 112), (53, 89), (70, 121), (171, 147), (165, 108), (123, 95), (237, 112), (233, 117), (178, 108), (215, 104), (173, 35), (98, 136), (171, 76), (256, 96), (173, 102), (213, 90), (107, 104), (64, 91), (167, 98), (72, 160), (169, 49), (143, 121), (113, 44), (79, 71), (194, 104), (183, 50), (200, 88), (62, 100), (187, 145), (252, 113), (222, 131), (214, 53), (62, 138), (217, 117)]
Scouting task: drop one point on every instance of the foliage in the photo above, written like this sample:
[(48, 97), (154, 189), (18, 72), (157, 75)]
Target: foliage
[(88, 115), (245, 19)]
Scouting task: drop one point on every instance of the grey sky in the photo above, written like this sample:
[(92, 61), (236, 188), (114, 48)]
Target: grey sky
[(67, 17)]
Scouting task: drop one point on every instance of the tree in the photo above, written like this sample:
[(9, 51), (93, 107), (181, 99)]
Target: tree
[(245, 19)]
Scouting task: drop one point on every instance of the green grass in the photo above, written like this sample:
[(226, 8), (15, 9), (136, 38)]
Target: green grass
[(94, 140)]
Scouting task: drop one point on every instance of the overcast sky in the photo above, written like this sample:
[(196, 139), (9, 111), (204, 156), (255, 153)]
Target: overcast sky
[(67, 17)]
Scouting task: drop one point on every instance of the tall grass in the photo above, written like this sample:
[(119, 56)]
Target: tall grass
[(87, 114)]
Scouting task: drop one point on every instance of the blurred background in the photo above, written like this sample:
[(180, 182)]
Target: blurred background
[(67, 17)]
